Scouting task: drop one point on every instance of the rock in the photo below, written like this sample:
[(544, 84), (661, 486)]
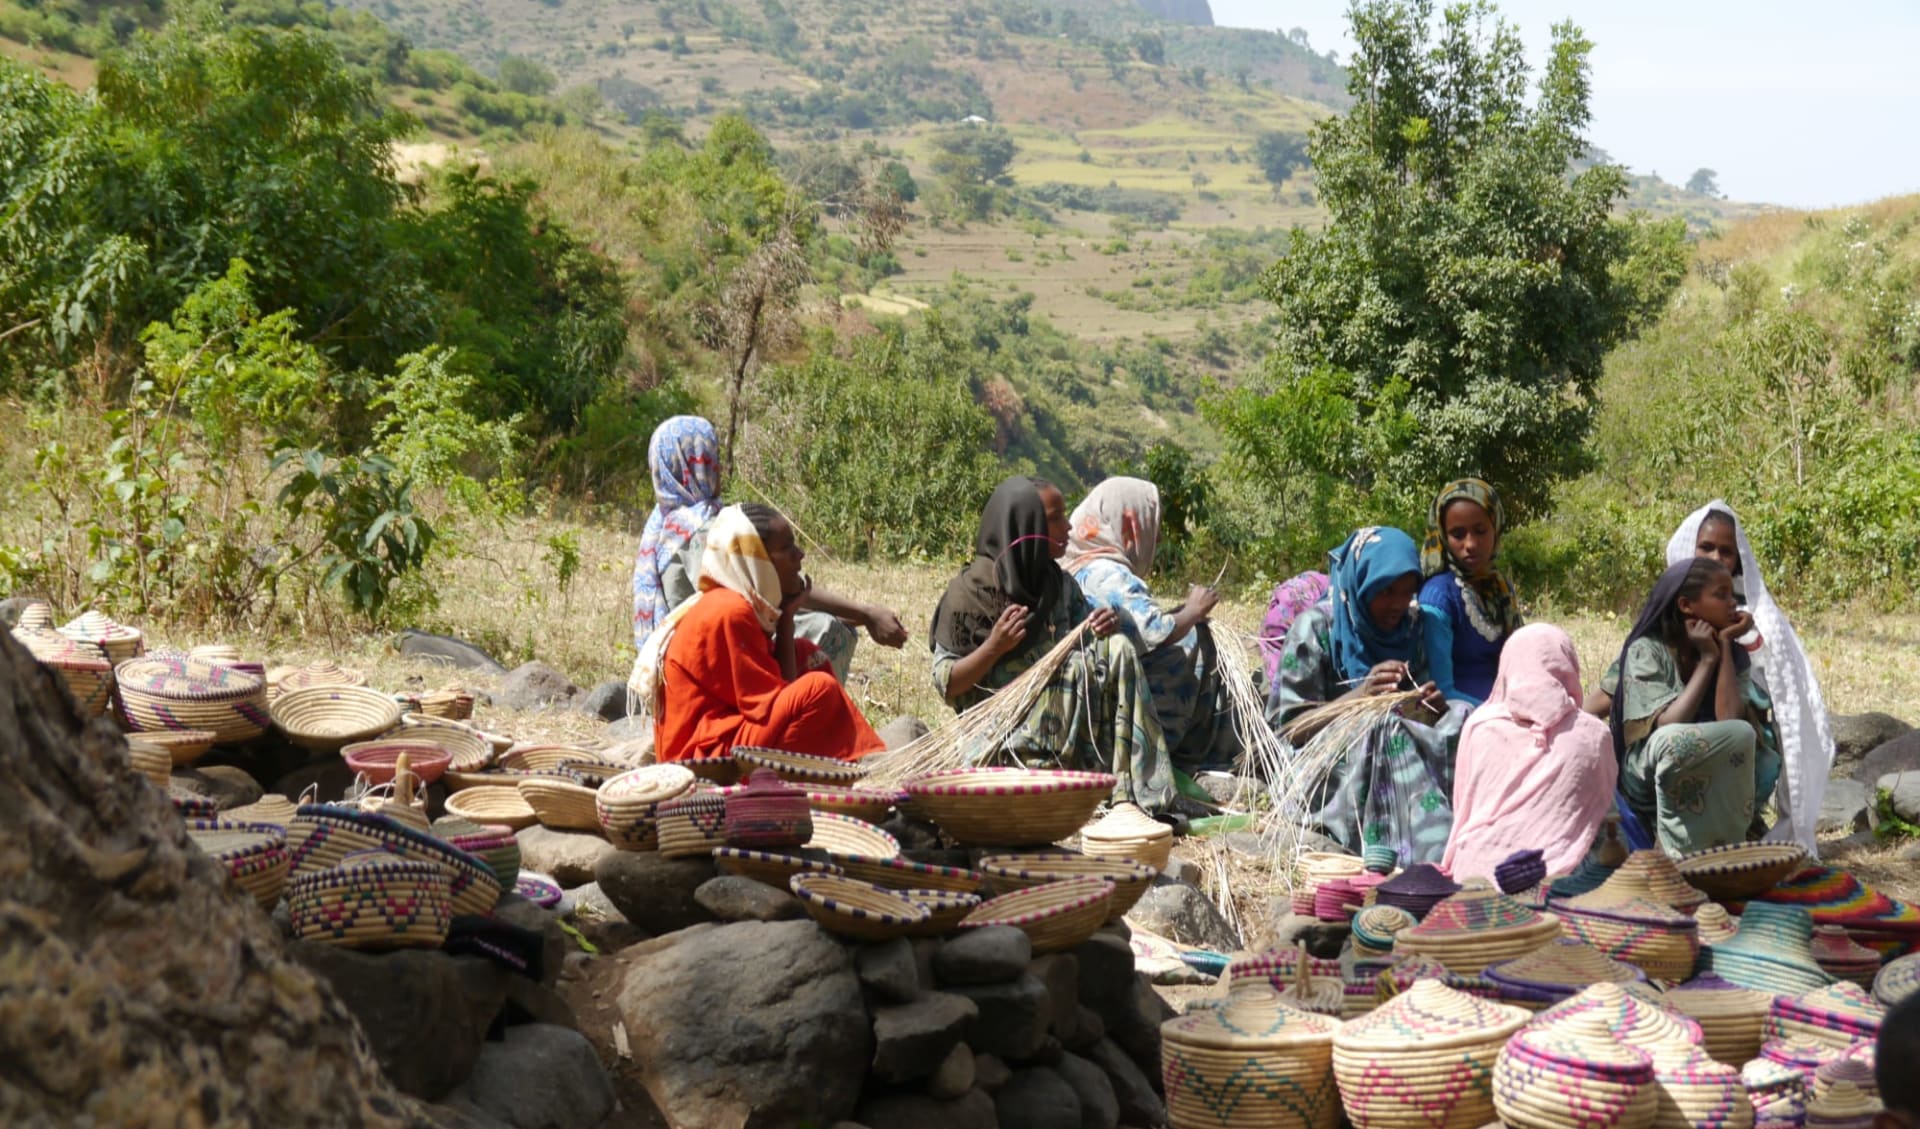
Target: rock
[(328, 776), (521, 913), (1843, 809), (1324, 938), (731, 897), (446, 650), (1858, 841), (1902, 754), (1857, 734), (1060, 974), (534, 686), (1088, 1029), (425, 1014), (1182, 870), (1904, 795), (1910, 853), (631, 729), (903, 730), (973, 1110), (458, 1113), (1012, 1020), (1224, 787), (1179, 912), (1099, 1108), (889, 971), (1138, 1030), (228, 787), (654, 892), (1140, 1102), (541, 1077), (990, 1072), (607, 701), (568, 857), (954, 1077), (753, 1025), (993, 955), (911, 1040), (915, 835), (1104, 963), (1037, 1098), (530, 1001), (12, 606), (590, 901)]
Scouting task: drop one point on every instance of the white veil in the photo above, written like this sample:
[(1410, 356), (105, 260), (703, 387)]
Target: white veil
[(1799, 712)]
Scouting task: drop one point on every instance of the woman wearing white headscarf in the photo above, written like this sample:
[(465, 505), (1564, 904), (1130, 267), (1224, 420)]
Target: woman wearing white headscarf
[(1780, 666)]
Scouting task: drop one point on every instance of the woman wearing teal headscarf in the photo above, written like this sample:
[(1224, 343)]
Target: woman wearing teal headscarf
[(1394, 786)]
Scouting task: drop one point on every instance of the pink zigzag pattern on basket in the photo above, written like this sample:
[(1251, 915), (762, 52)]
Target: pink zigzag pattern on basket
[(1248, 1080), (1380, 1083), (1589, 1111), (1719, 1115)]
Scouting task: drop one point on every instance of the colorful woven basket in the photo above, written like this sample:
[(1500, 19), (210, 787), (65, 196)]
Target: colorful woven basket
[(492, 804), (1856, 1072), (1646, 876), (326, 718), (255, 854), (722, 771), (692, 825), (870, 804), (373, 900), (1336, 900), (1771, 951), (627, 806), (159, 693), (493, 844), (321, 836), (1585, 879), (1548, 1079), (1695, 1092), (1716, 924), (1416, 889), (1476, 928), (561, 804), (1802, 1055), (323, 673), (1276, 969), (1898, 980), (35, 617), (1619, 1013), (1007, 873), (1423, 1061), (1652, 936), (1375, 928), (538, 889), (1009, 807), (1840, 958), (82, 666), (1769, 1081), (1839, 1014), (468, 747), (1555, 972), (1843, 1106), (772, 868), (1730, 1017), (1739, 871), (769, 814), (897, 873), (1320, 993), (843, 835), (117, 640), (853, 908), (271, 808), (378, 760), (1127, 832), (1520, 871), (946, 909), (1835, 897), (799, 768), (1056, 916), (1378, 858), (1252, 1063)]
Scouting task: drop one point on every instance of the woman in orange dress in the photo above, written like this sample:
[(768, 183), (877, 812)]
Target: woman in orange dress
[(724, 669)]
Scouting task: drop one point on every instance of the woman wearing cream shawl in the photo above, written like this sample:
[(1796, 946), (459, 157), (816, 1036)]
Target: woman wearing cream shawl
[(1533, 771), (1781, 668)]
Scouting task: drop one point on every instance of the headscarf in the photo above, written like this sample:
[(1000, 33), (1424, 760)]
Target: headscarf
[(684, 456), (735, 559), (1489, 599), (1012, 564), (1799, 710), (1371, 559), (1534, 771), (1290, 598), (1098, 524)]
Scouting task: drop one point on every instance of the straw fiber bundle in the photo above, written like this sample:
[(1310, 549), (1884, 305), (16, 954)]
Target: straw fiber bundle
[(1423, 1061), (492, 804), (897, 873), (1009, 807), (150, 760), (255, 854), (378, 760), (1007, 873), (1127, 832), (119, 641), (561, 805), (1840, 1015), (862, 802), (842, 835), (1652, 936), (1252, 1063), (373, 900), (81, 665), (1317, 741), (1555, 972), (1548, 1079), (1055, 917), (627, 807), (692, 825), (1740, 871), (1695, 1092), (175, 693), (799, 768), (857, 909), (1898, 980), (769, 867), (1730, 1017), (1478, 927)]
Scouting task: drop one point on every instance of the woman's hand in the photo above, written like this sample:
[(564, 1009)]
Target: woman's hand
[(1103, 622), (884, 627), (1741, 624), (791, 604), (1201, 601), (1008, 631), (1385, 678), (1704, 638)]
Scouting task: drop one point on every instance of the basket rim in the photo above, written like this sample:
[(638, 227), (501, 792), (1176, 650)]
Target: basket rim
[(803, 887), (1729, 858), (776, 759), (207, 682), (647, 784), (1054, 900), (999, 780), (1119, 871), (858, 829)]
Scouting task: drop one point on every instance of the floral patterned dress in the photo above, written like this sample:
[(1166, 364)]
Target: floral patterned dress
[(1394, 786)]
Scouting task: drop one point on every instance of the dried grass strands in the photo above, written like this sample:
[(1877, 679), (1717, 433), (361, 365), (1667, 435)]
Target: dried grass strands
[(1263, 758), (960, 742), (1321, 738)]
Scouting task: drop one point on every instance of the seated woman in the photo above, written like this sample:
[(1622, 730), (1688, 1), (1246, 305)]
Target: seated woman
[(1393, 784), (1290, 598), (1696, 749), (684, 456), (724, 668), (1780, 669), (1533, 771), (1113, 535), (1006, 609), (1467, 607)]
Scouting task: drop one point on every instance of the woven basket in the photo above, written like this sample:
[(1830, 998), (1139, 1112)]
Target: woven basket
[(768, 814), (1840, 958), (722, 771), (870, 804), (799, 768), (1056, 916), (1547, 1079), (1424, 1060), (1555, 972), (1898, 980), (1856, 1072), (1695, 1092), (453, 705), (1620, 1013), (538, 889), (1416, 889), (904, 874), (627, 806), (1741, 871), (1375, 927), (1649, 875), (946, 909), (81, 665), (150, 759), (1476, 928), (492, 844), (843, 835), (770, 867), (853, 908), (37, 616), (469, 748), (323, 673), (373, 901), (1126, 832), (329, 717), (1730, 1019), (1009, 807), (1252, 1063), (190, 804), (1844, 1106), (543, 758), (560, 805), (493, 804), (1716, 924), (1772, 951), (1007, 873), (173, 693), (119, 641), (1652, 936), (255, 854), (1839, 1015), (1276, 969), (378, 760), (321, 836), (692, 825)]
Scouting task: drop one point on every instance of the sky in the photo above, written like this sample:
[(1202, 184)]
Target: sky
[(1809, 105)]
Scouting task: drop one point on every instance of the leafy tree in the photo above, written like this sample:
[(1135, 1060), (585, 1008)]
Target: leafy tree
[(1279, 155), (1704, 182), (525, 76), (1454, 315), (1151, 46), (970, 160), (901, 181)]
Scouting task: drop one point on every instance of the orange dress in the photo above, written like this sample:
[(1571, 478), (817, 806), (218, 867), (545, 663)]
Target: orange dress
[(722, 686)]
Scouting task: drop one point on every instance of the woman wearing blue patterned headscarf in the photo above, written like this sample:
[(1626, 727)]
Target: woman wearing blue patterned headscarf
[(684, 456)]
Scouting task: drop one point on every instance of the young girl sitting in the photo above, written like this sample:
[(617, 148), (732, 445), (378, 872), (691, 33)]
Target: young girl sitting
[(1467, 607), (1691, 731)]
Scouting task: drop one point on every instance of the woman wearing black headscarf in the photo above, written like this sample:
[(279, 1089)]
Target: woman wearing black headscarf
[(1007, 609)]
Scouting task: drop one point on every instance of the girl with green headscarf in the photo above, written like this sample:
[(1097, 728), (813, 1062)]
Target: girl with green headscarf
[(1467, 607)]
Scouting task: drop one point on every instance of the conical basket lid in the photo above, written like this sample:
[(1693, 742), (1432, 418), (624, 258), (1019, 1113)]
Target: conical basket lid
[(1564, 964), (1252, 1019), (1430, 1014), (1624, 1017)]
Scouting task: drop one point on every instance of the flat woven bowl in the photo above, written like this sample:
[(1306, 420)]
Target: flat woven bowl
[(904, 874), (1741, 871), (325, 718), (857, 909), (466, 749), (798, 768), (1007, 873), (769, 867), (540, 758), (493, 804), (538, 889), (1009, 807), (176, 693), (870, 804), (378, 760), (1054, 917), (945, 910), (183, 746), (561, 805), (842, 835)]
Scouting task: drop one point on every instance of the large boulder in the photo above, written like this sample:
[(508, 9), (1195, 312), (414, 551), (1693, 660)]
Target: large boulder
[(992, 955), (1037, 1098), (1857, 734), (652, 891), (902, 730), (1844, 807), (747, 1025), (1013, 1017), (540, 1077), (1902, 754), (1179, 912), (1099, 1107), (734, 897), (911, 1040), (1136, 1093), (568, 857), (1323, 939), (534, 686), (446, 651), (607, 701), (136, 986), (972, 1110), (228, 787), (1903, 795), (889, 971)]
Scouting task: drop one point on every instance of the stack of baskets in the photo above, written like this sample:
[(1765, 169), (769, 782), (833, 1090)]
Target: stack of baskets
[(1426, 1059), (770, 815), (81, 665), (1560, 1079), (1696, 1092), (1730, 1017), (1839, 1015), (327, 718), (1898, 980), (1845, 1106), (1840, 958), (117, 640), (857, 909), (770, 867), (372, 899), (1055, 917), (692, 825), (1126, 832), (159, 694), (255, 854), (627, 806), (1777, 1093), (1008, 807), (493, 844), (1252, 1061), (1854, 1071), (1007, 873), (1772, 951), (321, 836), (1555, 972), (1476, 928), (1652, 936)]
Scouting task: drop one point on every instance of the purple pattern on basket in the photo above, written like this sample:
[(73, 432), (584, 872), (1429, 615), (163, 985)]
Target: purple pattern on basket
[(1416, 889), (1330, 901), (1520, 871), (768, 813), (1017, 782), (538, 889)]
